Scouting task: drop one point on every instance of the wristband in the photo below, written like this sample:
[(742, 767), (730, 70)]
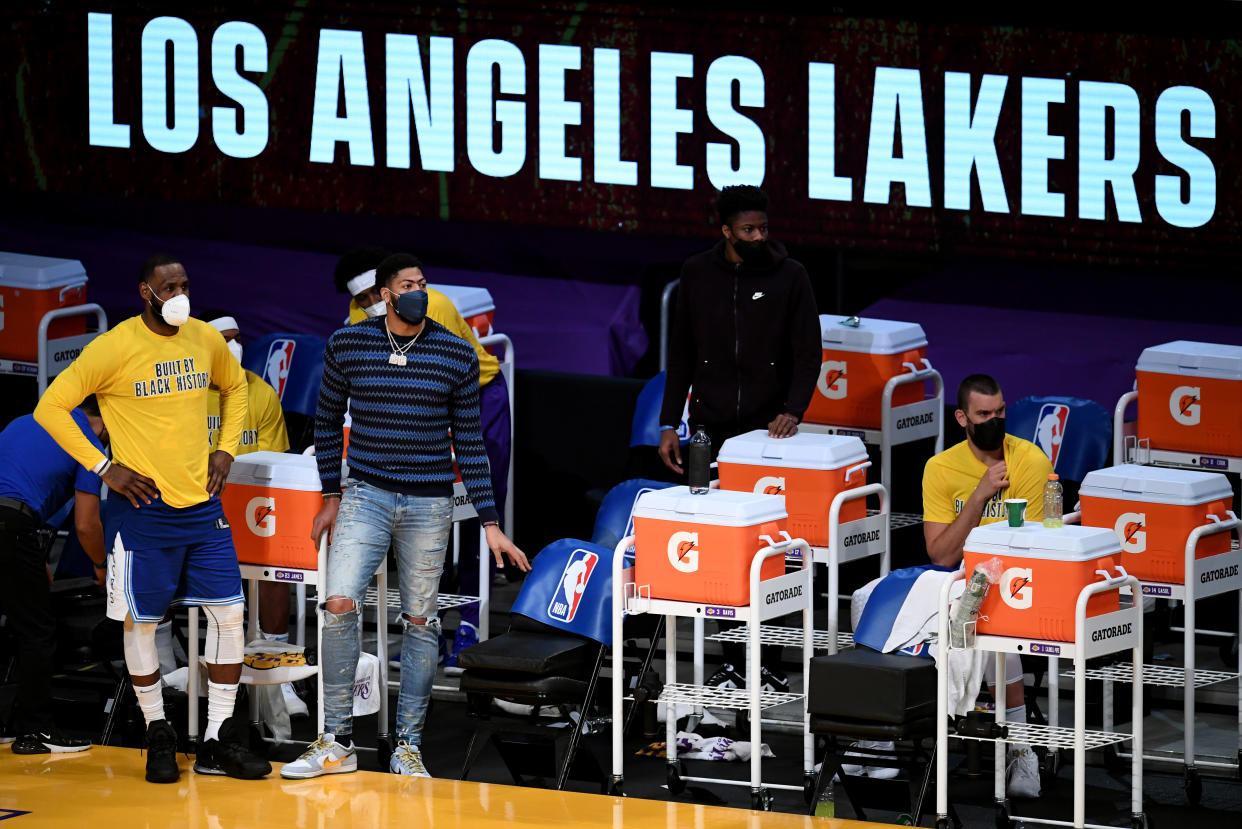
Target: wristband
[(103, 566), (102, 467), (332, 495), (491, 524), (667, 428)]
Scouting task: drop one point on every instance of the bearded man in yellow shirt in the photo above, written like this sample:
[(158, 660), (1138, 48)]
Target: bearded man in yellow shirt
[(169, 540)]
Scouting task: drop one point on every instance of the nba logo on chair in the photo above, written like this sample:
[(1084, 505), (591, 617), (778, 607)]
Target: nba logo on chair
[(573, 583), (1050, 429), (276, 366)]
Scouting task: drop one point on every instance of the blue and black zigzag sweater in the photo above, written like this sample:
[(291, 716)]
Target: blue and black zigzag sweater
[(399, 439)]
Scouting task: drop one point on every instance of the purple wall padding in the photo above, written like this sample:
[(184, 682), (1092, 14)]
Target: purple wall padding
[(555, 324), (1042, 352)]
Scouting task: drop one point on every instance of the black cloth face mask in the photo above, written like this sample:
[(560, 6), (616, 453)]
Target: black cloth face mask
[(754, 254), (411, 306), (988, 435)]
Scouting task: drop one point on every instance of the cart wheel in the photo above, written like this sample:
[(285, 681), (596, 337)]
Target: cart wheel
[(942, 823), (672, 776), (761, 801), (1002, 815), (615, 787), (1193, 786), (808, 788), (1140, 821)]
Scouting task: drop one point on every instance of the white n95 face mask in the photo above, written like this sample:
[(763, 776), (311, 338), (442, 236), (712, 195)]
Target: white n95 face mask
[(174, 311), (235, 348), (376, 310)]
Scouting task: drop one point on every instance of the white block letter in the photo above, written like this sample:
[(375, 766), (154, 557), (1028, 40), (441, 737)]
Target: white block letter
[(1198, 209), (609, 168), (102, 130), (1038, 147), (183, 131), (970, 142), (555, 113), (822, 180), (483, 110), (240, 132), (340, 64), (751, 152), (1095, 168), (430, 98), (897, 95), (667, 121)]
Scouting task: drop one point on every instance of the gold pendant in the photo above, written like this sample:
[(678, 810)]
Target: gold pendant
[(396, 359)]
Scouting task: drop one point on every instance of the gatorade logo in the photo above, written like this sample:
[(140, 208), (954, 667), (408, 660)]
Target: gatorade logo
[(261, 516), (915, 420), (781, 595), (770, 485), (1113, 632), (861, 538), (1184, 405), (1129, 529), (683, 551), (1016, 587), (832, 382)]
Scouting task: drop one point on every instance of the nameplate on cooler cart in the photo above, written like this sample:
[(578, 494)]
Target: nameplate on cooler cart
[(1213, 463), (715, 612), (1042, 649), (1157, 590), (917, 420), (288, 575)]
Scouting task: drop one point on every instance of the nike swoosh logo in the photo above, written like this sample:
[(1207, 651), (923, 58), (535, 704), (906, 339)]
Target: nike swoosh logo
[(758, 295), (330, 762)]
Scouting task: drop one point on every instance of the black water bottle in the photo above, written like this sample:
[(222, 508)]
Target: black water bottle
[(699, 459)]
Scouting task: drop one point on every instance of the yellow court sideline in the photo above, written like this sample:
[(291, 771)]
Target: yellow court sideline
[(104, 789)]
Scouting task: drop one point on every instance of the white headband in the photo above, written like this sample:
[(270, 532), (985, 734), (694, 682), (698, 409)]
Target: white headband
[(361, 282), (224, 323)]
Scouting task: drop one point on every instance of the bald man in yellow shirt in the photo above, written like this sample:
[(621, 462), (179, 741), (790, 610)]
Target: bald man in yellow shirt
[(355, 275)]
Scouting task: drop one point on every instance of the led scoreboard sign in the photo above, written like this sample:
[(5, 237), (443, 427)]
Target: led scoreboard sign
[(863, 130)]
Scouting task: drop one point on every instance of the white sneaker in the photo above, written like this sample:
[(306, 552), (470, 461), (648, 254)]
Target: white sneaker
[(407, 760), (324, 756), (293, 703), (1022, 773)]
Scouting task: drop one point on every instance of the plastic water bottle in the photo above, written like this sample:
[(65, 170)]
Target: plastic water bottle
[(699, 459), (825, 806), (1052, 501)]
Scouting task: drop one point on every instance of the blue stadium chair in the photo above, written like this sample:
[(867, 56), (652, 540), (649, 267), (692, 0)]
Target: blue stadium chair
[(645, 427), (1075, 433), (293, 365), (615, 519)]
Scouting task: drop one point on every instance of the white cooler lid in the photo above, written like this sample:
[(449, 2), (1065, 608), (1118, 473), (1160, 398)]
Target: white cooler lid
[(1156, 485), (719, 507), (805, 450), (276, 470), (36, 273), (1068, 543), (1212, 360), (872, 336), (469, 302)]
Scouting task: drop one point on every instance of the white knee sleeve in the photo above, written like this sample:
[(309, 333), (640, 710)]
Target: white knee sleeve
[(142, 658), (226, 641), (1013, 669)]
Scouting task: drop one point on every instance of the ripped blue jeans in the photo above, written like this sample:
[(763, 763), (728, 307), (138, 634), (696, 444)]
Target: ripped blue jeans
[(370, 518)]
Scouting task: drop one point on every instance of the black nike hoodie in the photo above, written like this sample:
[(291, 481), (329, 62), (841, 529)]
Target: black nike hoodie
[(746, 338)]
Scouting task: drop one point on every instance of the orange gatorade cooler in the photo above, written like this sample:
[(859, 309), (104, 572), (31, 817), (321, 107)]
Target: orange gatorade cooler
[(1152, 510), (698, 548), (1042, 572), (808, 469), (30, 286), (858, 360), (475, 306), (270, 501), (1190, 397)]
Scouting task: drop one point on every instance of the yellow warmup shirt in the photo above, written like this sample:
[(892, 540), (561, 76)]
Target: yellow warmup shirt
[(951, 477), (152, 393), (441, 309), (263, 427)]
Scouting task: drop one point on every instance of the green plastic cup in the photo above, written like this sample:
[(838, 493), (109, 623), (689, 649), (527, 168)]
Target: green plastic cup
[(1016, 508)]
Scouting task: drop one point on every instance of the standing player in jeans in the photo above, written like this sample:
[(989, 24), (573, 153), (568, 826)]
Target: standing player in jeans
[(408, 382), (170, 541)]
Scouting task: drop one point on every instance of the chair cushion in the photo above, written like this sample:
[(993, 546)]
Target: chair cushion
[(865, 685), (533, 690), (873, 729), (526, 652)]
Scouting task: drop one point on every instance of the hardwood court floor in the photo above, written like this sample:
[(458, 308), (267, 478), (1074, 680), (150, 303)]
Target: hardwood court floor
[(104, 789)]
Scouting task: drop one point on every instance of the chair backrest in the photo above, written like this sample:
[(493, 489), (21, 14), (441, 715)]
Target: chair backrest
[(615, 519), (1076, 434), (292, 364), (645, 427), (569, 587)]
